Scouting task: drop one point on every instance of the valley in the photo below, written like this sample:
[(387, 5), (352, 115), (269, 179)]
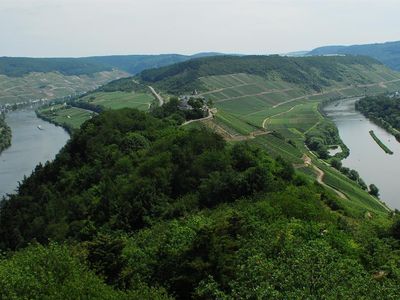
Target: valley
[(171, 150), (267, 167), (248, 103), (271, 112)]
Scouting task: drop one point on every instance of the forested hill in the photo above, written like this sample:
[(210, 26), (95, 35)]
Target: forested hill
[(20, 66), (310, 72), (136, 207), (135, 64), (387, 53), (132, 64)]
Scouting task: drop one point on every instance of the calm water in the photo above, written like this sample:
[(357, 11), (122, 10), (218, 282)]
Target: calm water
[(29, 147), (373, 164)]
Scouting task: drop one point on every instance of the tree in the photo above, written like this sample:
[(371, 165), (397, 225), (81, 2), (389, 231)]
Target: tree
[(336, 163), (362, 184), (373, 190)]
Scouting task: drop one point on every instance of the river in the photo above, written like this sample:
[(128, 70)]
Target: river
[(29, 147), (372, 163)]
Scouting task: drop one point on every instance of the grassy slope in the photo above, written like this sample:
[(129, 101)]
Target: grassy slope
[(117, 100), (50, 85)]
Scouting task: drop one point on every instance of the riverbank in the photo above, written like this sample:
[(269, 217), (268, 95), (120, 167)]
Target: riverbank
[(69, 117), (30, 146), (380, 143), (372, 164), (5, 134), (382, 110)]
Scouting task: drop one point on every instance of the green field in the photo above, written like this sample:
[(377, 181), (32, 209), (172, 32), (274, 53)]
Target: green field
[(73, 117), (66, 116), (117, 100)]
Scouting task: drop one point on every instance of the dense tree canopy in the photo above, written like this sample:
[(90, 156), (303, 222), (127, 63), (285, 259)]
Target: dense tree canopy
[(382, 109)]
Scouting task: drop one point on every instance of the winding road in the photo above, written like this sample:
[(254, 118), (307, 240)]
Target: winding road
[(159, 98)]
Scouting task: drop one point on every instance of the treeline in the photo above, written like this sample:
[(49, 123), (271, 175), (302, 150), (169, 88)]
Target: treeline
[(353, 175), (380, 143), (313, 73), (136, 207), (134, 64), (5, 134), (384, 110), (20, 66)]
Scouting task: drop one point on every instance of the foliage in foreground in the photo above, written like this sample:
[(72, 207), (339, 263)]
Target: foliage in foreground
[(144, 209)]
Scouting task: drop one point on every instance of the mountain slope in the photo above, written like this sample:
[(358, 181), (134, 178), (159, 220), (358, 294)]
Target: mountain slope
[(387, 53), (310, 72)]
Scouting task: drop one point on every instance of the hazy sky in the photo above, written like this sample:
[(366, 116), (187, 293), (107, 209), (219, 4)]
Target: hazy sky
[(99, 27)]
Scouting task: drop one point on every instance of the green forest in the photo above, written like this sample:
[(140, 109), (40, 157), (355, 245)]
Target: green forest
[(137, 207), (384, 110)]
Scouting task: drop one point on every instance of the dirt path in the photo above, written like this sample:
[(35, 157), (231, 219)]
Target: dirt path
[(278, 114), (320, 175), (159, 98)]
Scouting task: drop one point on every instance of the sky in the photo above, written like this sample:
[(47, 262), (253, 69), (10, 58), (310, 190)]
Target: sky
[(54, 28)]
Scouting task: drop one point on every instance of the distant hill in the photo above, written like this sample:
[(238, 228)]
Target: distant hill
[(135, 64), (387, 53), (20, 66), (23, 79), (310, 72), (295, 53)]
